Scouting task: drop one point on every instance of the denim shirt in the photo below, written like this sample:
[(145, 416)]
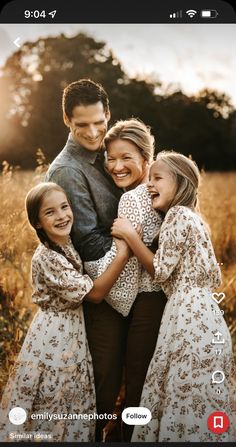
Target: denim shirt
[(93, 195)]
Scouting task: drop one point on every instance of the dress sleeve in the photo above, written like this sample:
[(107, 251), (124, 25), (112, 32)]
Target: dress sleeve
[(58, 276), (172, 243), (125, 290), (130, 208)]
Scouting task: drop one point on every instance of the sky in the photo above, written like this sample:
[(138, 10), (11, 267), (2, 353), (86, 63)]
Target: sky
[(190, 56)]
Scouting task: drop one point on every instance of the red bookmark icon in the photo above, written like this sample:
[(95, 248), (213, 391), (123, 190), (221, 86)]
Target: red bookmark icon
[(218, 422)]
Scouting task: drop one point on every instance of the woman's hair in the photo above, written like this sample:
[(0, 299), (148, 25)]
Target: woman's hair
[(33, 203), (187, 177), (135, 131)]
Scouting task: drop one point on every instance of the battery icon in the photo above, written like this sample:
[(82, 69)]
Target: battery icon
[(209, 13)]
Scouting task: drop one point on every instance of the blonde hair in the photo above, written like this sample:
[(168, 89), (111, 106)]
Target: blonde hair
[(187, 177), (135, 131)]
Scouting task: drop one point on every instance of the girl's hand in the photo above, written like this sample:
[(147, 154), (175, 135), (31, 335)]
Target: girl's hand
[(123, 248), (139, 230), (122, 227)]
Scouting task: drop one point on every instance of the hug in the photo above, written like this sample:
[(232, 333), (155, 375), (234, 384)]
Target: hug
[(123, 277)]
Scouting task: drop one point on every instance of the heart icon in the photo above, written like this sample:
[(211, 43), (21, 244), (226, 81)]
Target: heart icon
[(218, 297)]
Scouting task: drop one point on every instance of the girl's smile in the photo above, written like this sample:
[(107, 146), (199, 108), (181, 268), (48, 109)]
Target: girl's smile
[(162, 186), (56, 217)]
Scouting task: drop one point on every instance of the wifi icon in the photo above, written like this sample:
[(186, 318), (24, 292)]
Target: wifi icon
[(191, 13)]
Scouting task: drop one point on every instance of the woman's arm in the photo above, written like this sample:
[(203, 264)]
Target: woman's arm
[(122, 228), (124, 291), (103, 284)]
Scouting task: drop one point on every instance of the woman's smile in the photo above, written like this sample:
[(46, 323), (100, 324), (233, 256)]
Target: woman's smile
[(125, 163)]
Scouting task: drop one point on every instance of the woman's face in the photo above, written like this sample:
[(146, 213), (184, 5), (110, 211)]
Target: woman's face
[(126, 165)]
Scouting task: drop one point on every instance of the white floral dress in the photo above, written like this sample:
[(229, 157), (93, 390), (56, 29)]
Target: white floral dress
[(178, 387), (53, 373), (136, 205)]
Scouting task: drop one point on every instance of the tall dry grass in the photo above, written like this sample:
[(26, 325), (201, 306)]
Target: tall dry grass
[(218, 206), (17, 244)]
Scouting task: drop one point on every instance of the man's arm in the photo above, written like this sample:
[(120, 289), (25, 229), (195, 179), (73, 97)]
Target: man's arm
[(89, 240)]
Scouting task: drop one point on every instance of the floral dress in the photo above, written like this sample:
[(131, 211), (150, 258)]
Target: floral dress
[(136, 205), (53, 374), (178, 388)]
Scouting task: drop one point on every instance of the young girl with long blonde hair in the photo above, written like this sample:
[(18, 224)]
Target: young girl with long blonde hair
[(191, 374)]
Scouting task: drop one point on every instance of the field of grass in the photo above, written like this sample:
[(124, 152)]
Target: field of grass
[(218, 206), (17, 244)]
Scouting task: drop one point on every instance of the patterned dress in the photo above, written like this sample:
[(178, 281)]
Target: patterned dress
[(53, 373), (136, 205), (178, 387)]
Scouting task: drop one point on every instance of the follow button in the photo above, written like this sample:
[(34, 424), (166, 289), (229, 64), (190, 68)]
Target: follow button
[(136, 415)]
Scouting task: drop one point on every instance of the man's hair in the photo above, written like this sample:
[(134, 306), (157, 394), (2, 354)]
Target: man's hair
[(83, 93)]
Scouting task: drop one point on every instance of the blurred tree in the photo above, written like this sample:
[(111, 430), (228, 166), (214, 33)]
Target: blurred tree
[(190, 126), (231, 141), (36, 76), (31, 85)]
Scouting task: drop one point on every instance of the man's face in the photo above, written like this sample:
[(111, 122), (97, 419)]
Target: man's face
[(88, 125)]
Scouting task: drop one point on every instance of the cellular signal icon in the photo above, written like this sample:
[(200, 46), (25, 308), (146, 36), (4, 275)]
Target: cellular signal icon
[(191, 13), (176, 15)]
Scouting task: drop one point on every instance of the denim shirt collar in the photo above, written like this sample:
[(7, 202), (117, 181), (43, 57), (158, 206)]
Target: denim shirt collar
[(80, 152)]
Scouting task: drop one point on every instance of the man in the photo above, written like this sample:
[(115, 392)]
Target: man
[(79, 170)]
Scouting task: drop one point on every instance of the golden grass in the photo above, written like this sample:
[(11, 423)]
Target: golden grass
[(17, 244), (218, 206)]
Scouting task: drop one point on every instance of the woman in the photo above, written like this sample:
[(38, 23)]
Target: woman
[(130, 146)]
